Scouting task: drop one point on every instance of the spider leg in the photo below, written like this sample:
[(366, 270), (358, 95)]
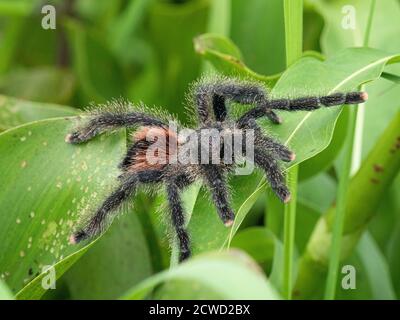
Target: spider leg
[(274, 175), (215, 94), (107, 120), (306, 103), (217, 185), (178, 218), (127, 188), (264, 142), (133, 150)]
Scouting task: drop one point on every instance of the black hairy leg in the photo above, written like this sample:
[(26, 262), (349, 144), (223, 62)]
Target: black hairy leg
[(178, 219), (217, 184), (132, 153), (274, 174), (216, 94), (108, 120), (128, 185), (264, 142), (302, 104)]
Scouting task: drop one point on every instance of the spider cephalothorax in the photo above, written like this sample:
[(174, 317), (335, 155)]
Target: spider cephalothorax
[(178, 169)]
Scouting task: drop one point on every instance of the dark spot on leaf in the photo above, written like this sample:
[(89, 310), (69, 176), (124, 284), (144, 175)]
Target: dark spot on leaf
[(374, 180), (30, 271), (378, 168)]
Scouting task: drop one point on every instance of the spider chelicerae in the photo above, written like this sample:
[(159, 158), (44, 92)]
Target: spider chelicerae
[(210, 100)]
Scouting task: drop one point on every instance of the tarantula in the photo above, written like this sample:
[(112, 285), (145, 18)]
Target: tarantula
[(209, 98)]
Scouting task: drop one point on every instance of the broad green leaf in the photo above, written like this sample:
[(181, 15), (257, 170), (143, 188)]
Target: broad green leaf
[(214, 272), (56, 183), (226, 57), (35, 289), (118, 261), (42, 84), (258, 242), (318, 192), (14, 112), (326, 158)]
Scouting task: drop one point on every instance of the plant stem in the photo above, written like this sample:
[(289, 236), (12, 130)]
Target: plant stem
[(220, 17), (288, 234), (219, 22), (344, 181), (293, 16)]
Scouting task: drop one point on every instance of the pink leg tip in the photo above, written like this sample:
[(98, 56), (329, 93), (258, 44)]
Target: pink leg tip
[(364, 96), (72, 239), (68, 138), (292, 156), (228, 223), (287, 198)]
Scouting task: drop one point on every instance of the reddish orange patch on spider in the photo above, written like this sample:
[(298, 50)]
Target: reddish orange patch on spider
[(158, 144)]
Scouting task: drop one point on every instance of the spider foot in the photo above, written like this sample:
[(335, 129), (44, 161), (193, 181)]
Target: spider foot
[(78, 237), (75, 137), (287, 156), (283, 193), (228, 218), (184, 255), (228, 223)]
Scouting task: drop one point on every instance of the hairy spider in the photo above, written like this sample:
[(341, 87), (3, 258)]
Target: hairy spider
[(209, 98)]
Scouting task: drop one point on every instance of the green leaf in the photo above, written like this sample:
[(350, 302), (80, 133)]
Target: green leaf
[(326, 158), (118, 261), (34, 290), (258, 242), (14, 112), (226, 57), (229, 275), (47, 185), (5, 292)]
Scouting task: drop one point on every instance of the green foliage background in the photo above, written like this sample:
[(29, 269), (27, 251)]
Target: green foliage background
[(150, 51)]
